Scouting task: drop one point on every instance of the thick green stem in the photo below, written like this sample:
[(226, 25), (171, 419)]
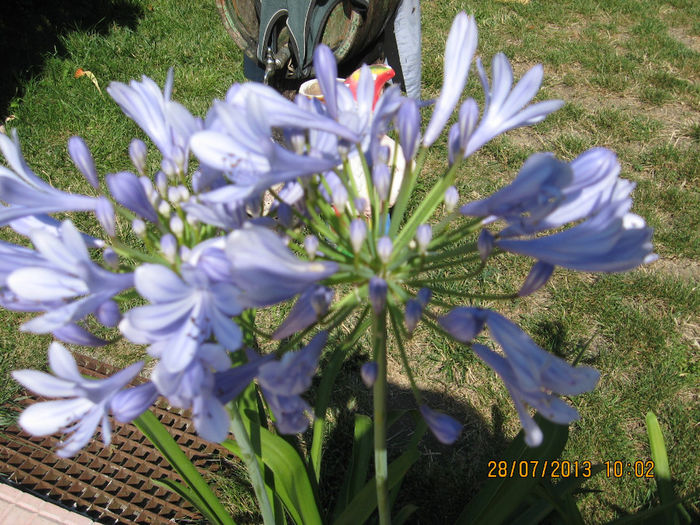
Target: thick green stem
[(381, 470), (251, 462)]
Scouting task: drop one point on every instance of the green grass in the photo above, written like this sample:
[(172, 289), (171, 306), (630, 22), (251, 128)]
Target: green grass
[(628, 70)]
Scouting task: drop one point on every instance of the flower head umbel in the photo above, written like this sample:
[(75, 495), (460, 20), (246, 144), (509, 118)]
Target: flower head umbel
[(308, 201), (86, 405)]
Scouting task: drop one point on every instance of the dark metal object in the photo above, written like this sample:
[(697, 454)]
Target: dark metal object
[(351, 28), (112, 484)]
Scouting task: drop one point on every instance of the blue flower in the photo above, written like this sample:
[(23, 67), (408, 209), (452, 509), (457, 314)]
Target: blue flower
[(613, 240), (536, 192), (26, 194), (184, 312), (168, 124), (532, 375), (266, 271), (283, 381), (504, 109), (63, 281), (312, 304), (194, 387), (86, 407)]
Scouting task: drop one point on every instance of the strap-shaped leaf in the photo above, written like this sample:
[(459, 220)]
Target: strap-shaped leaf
[(356, 475), (362, 506), (330, 372), (292, 484), (204, 499), (662, 472), (501, 496), (540, 509), (187, 494)]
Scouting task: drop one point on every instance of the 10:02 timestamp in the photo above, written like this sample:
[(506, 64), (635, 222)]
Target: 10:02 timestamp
[(636, 469)]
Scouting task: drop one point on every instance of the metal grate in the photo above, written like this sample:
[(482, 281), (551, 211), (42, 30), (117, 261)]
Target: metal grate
[(109, 484)]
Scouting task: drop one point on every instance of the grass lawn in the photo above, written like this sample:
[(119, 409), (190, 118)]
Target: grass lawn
[(630, 73)]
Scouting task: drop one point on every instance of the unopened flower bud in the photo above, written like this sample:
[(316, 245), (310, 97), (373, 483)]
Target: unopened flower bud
[(192, 220), (340, 196), (137, 153), (368, 373), (162, 183), (384, 249), (148, 189), (311, 246), (168, 246), (164, 208), (138, 226), (179, 158), (184, 193), (451, 199), (360, 205), (321, 299), (468, 118), (173, 194), (377, 294), (413, 313), (423, 296), (445, 428), (408, 124), (108, 314), (110, 258), (424, 234), (484, 244), (358, 234), (169, 168), (176, 225), (381, 177), (82, 158)]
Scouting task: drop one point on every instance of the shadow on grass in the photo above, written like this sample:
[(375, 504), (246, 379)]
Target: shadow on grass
[(32, 29), (444, 478)]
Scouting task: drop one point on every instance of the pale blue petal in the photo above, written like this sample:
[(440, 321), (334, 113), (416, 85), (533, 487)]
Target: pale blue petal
[(159, 284), (45, 284), (63, 364), (210, 419), (44, 384), (48, 417)]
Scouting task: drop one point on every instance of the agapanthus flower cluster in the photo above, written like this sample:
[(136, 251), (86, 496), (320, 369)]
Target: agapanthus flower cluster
[(333, 240)]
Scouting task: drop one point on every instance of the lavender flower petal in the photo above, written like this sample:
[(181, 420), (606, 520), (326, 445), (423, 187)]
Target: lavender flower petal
[(128, 191), (459, 51), (266, 271)]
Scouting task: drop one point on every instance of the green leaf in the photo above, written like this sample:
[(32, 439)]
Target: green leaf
[(356, 475), (292, 484), (209, 504), (330, 372), (402, 516), (500, 497), (362, 506), (662, 472), (188, 495), (541, 508)]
